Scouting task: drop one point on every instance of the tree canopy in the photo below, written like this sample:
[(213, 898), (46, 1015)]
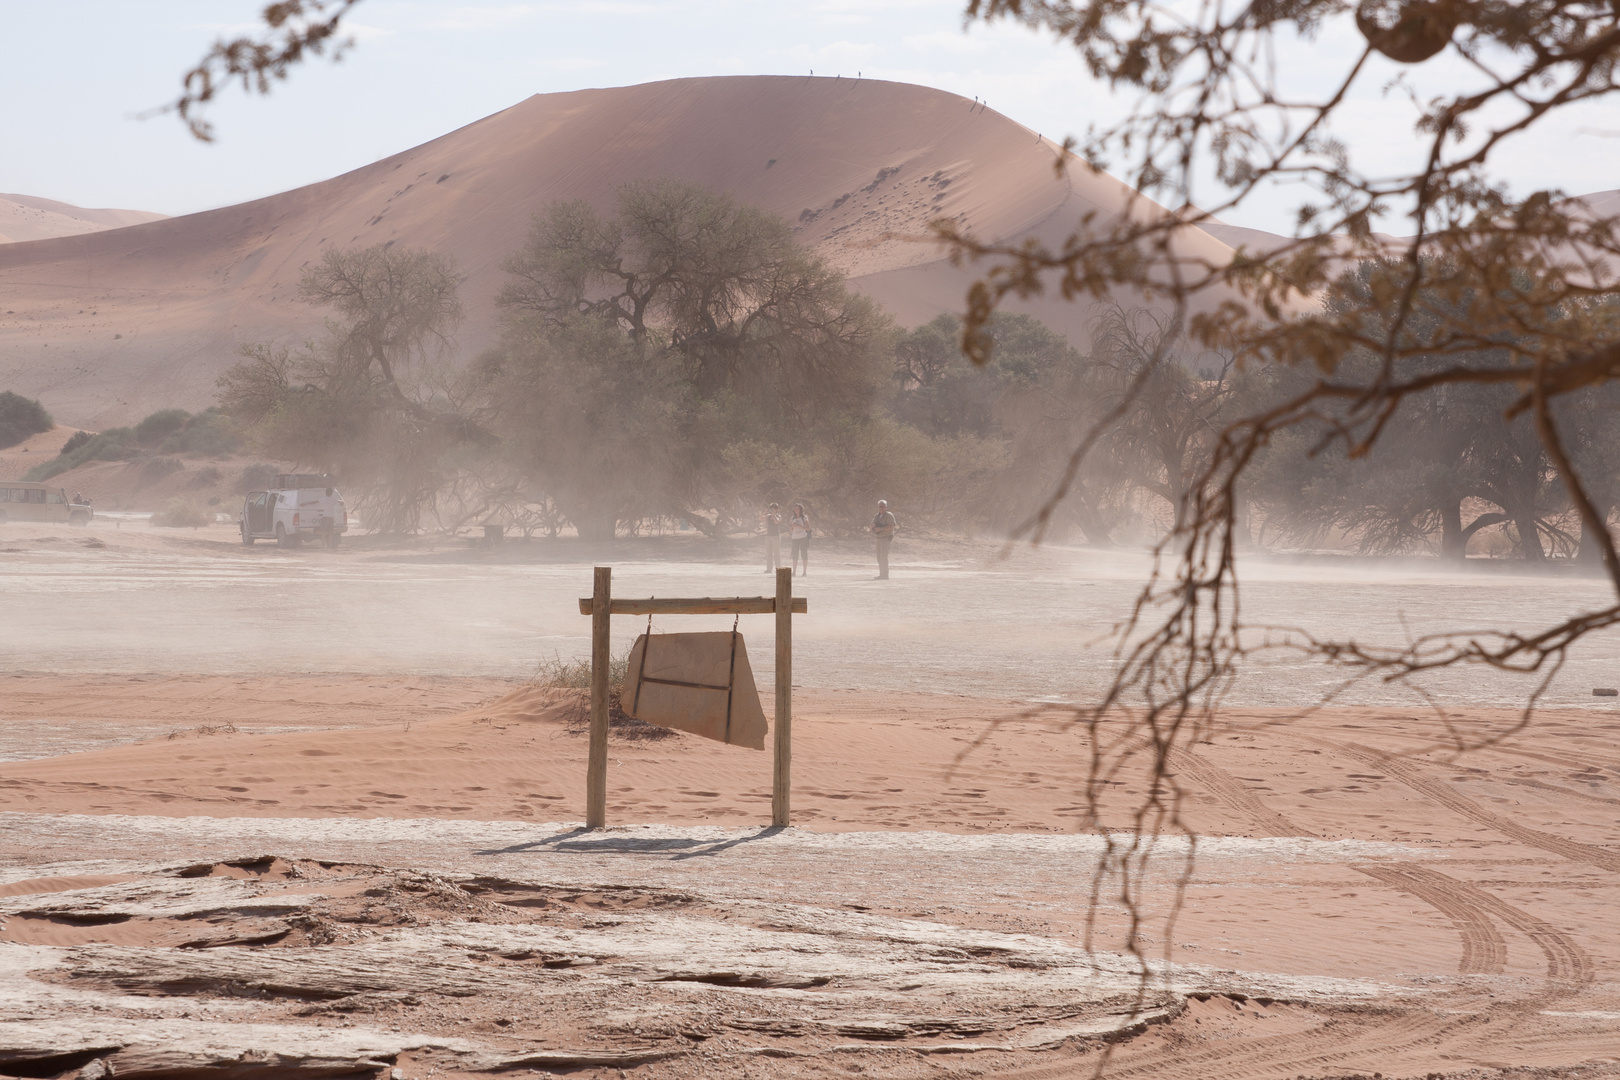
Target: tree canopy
[(21, 417)]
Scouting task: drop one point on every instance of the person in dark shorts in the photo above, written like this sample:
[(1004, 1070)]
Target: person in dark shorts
[(799, 535), (883, 526)]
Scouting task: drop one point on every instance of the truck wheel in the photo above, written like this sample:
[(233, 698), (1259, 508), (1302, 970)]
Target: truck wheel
[(247, 537), (79, 518), (281, 535)]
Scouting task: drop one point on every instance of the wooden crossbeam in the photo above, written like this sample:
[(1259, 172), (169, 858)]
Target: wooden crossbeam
[(702, 605)]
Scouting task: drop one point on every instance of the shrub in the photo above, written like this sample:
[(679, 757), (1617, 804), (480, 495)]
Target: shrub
[(183, 513), (257, 477), (114, 444), (576, 674), (207, 477), (160, 425), (76, 440), (21, 417), (209, 433)]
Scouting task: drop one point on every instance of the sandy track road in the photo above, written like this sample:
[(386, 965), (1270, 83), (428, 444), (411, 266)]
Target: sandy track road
[(1418, 1037), (1410, 774), (1483, 950), (1469, 907), (1315, 1044)]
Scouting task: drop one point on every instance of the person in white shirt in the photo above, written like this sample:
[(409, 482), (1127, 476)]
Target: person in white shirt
[(799, 524)]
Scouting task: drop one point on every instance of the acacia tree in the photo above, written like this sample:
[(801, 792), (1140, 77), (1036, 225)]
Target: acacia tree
[(721, 283), (747, 337), (588, 421), (372, 401)]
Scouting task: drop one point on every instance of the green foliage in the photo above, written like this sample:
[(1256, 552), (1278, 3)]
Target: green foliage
[(257, 477), (21, 417), (723, 285), (114, 444), (1449, 462), (840, 474), (640, 345), (209, 433), (160, 425), (183, 513), (367, 403), (76, 440), (591, 421), (939, 391)]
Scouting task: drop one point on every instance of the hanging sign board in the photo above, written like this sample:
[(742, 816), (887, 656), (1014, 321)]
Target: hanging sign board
[(700, 683)]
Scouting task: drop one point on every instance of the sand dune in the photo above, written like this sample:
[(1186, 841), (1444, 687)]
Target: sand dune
[(28, 217), (107, 326)]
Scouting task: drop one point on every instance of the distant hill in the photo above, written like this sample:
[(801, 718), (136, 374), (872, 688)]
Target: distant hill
[(105, 327), (26, 217)]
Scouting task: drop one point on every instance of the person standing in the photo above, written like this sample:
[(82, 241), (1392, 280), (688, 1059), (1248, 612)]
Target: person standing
[(799, 526), (773, 537), (883, 526)]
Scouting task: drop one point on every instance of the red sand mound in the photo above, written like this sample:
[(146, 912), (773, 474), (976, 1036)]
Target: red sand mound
[(27, 217)]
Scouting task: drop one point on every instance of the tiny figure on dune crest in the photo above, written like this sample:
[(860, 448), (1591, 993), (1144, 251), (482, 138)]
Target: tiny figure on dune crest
[(799, 524), (772, 517), (883, 527)]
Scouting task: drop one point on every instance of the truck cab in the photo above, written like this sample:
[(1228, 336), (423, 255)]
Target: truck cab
[(299, 507)]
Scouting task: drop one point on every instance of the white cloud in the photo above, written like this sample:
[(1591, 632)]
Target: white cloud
[(574, 63)]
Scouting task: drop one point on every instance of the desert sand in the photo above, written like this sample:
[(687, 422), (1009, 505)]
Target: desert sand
[(225, 854), (336, 869), (28, 217), (110, 326)]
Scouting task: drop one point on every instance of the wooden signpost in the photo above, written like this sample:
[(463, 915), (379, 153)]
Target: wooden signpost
[(601, 607)]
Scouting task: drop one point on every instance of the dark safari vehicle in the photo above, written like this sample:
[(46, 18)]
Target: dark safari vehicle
[(23, 501)]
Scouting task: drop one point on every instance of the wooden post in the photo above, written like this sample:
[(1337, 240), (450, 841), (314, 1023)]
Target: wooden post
[(782, 780), (601, 648)]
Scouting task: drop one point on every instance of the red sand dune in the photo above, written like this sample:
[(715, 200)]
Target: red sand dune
[(28, 217), (108, 326)]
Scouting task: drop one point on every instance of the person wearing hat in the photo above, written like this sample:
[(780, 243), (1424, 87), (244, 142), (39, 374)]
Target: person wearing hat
[(773, 537), (883, 527)]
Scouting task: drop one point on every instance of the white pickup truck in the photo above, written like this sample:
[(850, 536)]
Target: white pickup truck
[(298, 508)]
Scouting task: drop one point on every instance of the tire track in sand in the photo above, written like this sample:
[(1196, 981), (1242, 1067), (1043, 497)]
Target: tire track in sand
[(1442, 793), (1469, 908), (1339, 1041), (1335, 1044), (1484, 952), (1230, 790)]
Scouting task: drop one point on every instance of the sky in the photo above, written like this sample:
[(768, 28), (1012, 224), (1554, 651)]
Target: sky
[(75, 75)]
